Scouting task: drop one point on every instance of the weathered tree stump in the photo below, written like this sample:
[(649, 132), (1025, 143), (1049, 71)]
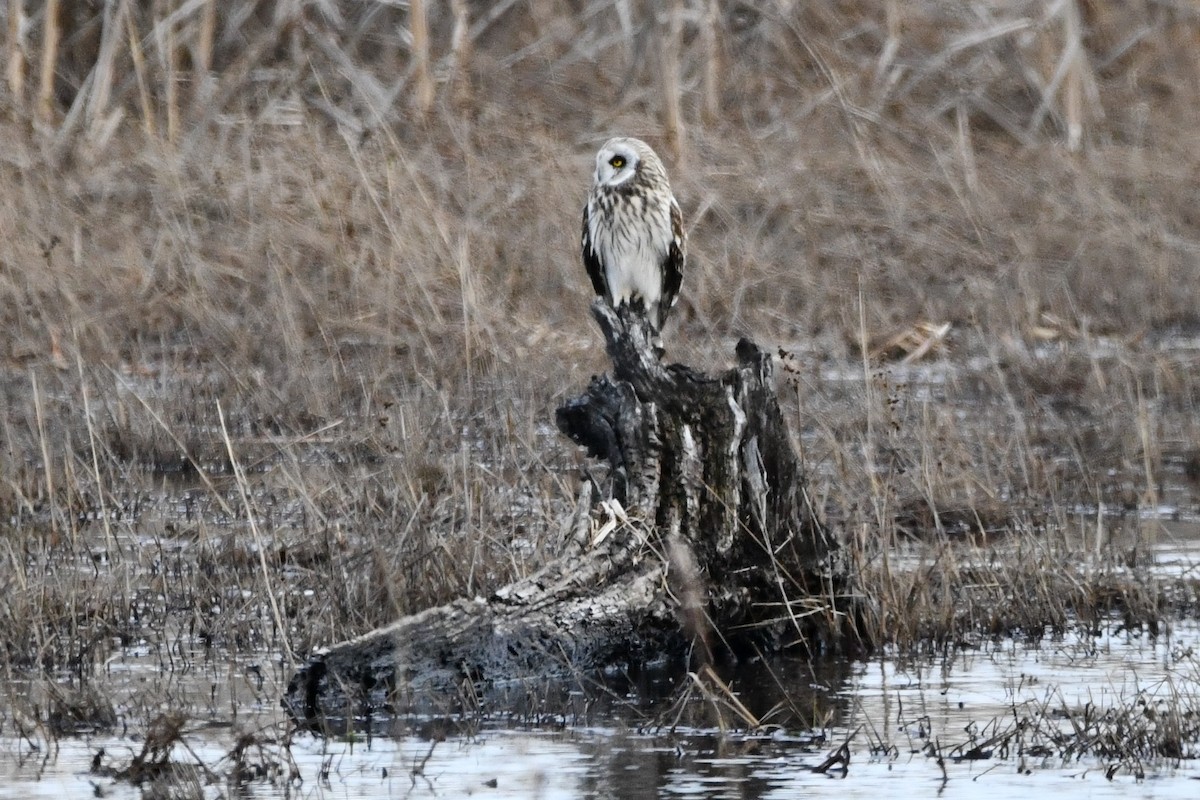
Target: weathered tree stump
[(708, 541)]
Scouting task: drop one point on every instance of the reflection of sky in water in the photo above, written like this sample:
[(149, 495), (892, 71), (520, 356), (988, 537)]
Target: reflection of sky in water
[(901, 705), (1162, 546), (1176, 548), (1107, 671)]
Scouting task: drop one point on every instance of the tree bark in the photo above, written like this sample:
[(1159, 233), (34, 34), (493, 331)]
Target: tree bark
[(706, 542)]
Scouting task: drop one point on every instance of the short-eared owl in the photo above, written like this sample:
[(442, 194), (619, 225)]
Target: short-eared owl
[(633, 240)]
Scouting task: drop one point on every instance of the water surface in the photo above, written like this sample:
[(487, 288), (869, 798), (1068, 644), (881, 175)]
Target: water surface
[(908, 725)]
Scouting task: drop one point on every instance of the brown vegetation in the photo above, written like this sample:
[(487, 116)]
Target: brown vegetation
[(288, 298)]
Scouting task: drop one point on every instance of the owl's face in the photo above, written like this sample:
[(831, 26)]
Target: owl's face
[(617, 162)]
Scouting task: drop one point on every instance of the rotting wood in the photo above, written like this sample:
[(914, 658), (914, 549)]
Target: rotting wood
[(704, 488)]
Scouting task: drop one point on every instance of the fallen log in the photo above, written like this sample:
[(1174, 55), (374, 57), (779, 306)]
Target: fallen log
[(701, 541)]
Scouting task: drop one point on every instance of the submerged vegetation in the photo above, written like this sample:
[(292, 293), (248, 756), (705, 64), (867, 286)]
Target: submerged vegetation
[(289, 293)]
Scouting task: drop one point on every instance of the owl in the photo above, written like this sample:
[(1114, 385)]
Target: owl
[(633, 239)]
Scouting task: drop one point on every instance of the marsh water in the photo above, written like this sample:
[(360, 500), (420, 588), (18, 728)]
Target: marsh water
[(996, 720)]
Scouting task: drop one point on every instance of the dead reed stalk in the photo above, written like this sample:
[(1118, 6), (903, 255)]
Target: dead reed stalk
[(460, 52), (423, 93), (203, 80), (51, 36), (1073, 54), (670, 66), (112, 34), (710, 87), (17, 48), (138, 59), (205, 40), (168, 56), (260, 545)]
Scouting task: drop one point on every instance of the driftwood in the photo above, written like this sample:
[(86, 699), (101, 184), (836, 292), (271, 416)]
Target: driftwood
[(701, 539)]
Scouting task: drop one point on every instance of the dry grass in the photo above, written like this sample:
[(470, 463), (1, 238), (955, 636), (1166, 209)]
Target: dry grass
[(289, 298)]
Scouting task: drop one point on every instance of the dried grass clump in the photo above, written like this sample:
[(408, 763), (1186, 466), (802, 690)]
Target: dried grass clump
[(1149, 726)]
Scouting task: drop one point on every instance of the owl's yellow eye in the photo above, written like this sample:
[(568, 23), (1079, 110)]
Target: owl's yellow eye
[(617, 162)]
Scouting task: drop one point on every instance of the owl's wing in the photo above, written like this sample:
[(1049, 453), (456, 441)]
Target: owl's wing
[(591, 261), (672, 268)]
